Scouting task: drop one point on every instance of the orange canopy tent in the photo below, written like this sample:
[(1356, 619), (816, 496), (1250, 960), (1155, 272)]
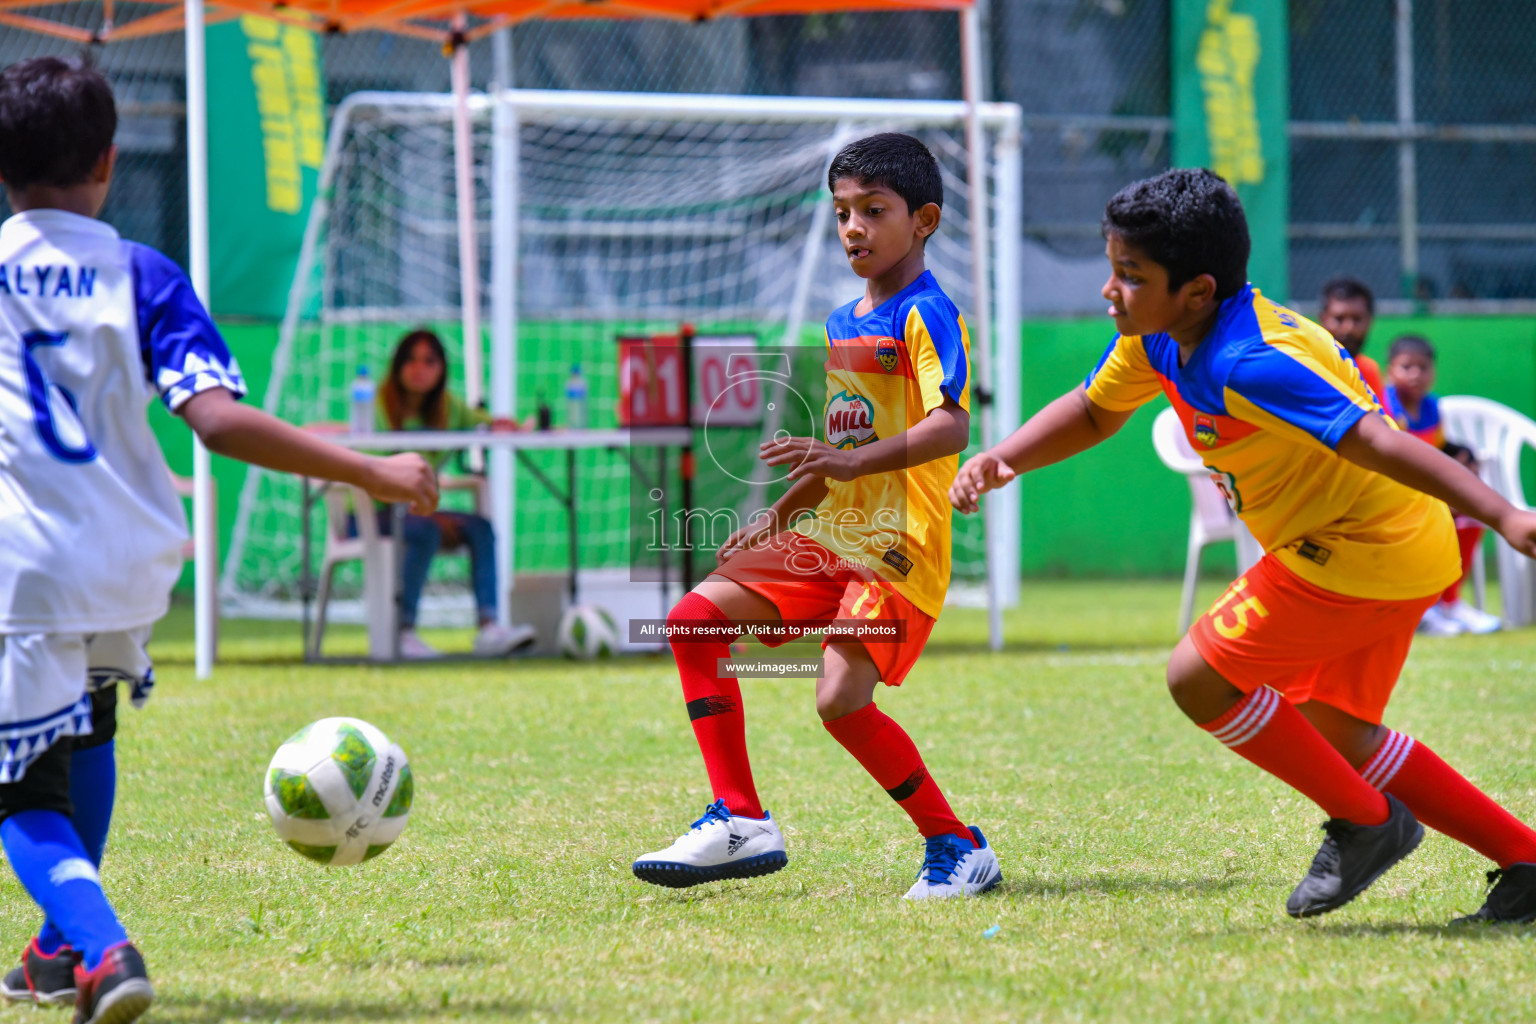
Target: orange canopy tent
[(427, 19), (450, 23)]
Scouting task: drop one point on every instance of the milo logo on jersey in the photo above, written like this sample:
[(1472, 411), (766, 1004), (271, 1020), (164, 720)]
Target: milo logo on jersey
[(850, 420)]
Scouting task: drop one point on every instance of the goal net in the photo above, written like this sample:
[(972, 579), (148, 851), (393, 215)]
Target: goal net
[(634, 214)]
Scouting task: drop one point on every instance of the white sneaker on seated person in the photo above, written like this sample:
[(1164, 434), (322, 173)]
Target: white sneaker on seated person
[(1475, 620), (1437, 623), (495, 640), (415, 648)]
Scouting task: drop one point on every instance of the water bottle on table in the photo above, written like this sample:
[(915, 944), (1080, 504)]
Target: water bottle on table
[(576, 399), (363, 391)]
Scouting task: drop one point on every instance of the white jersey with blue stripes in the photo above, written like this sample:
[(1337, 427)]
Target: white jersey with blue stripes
[(92, 328)]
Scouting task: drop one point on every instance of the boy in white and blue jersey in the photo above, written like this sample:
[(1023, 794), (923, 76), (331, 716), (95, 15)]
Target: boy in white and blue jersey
[(92, 328)]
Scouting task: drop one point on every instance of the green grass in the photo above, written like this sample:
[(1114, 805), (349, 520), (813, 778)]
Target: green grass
[(1145, 866)]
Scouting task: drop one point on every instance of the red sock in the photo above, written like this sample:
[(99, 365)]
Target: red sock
[(1439, 797), (888, 753), (1265, 729), (714, 704), (1467, 538)]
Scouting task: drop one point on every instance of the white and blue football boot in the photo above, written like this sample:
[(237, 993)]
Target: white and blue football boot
[(951, 868), (719, 845)]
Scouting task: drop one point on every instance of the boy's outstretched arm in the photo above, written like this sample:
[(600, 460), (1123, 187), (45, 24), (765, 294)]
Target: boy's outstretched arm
[(1070, 424), (250, 435), (1373, 444), (945, 431)]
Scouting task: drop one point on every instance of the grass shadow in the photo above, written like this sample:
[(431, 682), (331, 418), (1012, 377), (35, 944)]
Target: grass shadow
[(1123, 885), (1444, 930)]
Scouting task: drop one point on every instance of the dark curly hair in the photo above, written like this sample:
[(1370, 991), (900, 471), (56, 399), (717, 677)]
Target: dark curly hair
[(1189, 221), (57, 119), (894, 161)]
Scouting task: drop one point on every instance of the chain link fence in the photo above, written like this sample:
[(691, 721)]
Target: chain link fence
[(1412, 145)]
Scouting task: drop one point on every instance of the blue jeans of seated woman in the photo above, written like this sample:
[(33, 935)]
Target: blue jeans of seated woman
[(421, 537)]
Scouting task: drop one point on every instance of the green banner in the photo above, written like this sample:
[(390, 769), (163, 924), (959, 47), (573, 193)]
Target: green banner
[(1231, 88), (266, 138)]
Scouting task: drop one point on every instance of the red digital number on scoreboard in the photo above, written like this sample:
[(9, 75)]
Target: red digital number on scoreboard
[(726, 390)]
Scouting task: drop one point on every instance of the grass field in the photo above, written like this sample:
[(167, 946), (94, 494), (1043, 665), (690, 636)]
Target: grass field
[(1145, 866)]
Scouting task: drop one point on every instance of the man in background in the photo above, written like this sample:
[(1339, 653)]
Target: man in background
[(1346, 311)]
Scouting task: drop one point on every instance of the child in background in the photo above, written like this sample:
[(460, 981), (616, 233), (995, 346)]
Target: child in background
[(1411, 375)]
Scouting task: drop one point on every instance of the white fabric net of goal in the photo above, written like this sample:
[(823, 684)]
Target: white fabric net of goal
[(627, 225)]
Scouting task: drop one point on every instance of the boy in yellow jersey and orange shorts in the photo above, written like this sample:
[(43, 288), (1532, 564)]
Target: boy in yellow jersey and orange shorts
[(872, 558), (1293, 666)]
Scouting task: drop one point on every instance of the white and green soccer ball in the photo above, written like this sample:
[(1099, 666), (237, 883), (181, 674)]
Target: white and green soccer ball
[(339, 791), (588, 632)]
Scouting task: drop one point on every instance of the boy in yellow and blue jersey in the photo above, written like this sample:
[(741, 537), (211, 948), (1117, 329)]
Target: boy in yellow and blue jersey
[(1292, 668), (874, 552)]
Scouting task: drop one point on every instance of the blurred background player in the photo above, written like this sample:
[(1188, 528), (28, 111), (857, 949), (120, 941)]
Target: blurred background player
[(1347, 310), (1292, 668), (92, 328), (1413, 405), (877, 549)]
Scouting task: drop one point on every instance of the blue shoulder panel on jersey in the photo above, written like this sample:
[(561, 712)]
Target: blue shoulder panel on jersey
[(1203, 382), (182, 350), (1429, 412), (1287, 389), (942, 320), (840, 325)]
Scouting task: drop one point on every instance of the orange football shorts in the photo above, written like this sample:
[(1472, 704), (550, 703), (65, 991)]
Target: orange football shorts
[(1272, 628), (808, 583)]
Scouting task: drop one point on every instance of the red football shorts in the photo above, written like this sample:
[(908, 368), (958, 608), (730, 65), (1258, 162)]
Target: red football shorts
[(808, 583), (1272, 628)]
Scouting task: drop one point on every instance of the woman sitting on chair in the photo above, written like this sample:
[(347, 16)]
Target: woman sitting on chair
[(415, 396)]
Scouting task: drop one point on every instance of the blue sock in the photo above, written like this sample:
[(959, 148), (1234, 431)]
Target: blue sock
[(49, 858), (92, 789)]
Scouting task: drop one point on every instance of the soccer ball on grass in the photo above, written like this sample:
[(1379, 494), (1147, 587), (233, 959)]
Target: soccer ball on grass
[(339, 791), (588, 632)]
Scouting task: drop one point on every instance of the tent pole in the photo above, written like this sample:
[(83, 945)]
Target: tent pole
[(205, 538), (981, 298), (469, 247)]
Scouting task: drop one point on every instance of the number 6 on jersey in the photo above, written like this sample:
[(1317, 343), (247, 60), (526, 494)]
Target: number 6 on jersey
[(63, 436)]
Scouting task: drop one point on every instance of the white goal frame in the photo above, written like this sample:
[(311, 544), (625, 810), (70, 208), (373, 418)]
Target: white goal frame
[(996, 339)]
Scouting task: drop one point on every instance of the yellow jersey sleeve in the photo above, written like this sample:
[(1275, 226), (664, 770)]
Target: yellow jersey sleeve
[(1124, 379)]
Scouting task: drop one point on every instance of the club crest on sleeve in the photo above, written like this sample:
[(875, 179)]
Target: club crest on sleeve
[(1205, 431), (886, 354)]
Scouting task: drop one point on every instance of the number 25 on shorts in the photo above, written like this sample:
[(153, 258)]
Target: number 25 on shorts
[(1239, 612)]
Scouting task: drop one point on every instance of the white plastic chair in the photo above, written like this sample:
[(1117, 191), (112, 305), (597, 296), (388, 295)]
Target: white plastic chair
[(347, 506), (1211, 519), (1497, 435)]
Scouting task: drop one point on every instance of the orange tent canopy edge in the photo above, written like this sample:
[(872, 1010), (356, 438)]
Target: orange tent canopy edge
[(433, 19)]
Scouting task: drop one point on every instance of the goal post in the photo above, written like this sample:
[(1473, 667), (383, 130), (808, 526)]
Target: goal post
[(599, 215)]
